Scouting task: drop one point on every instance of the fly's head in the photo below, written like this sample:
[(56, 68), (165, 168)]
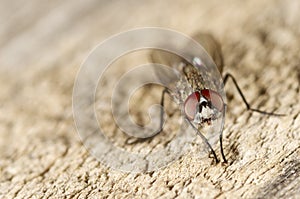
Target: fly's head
[(204, 106)]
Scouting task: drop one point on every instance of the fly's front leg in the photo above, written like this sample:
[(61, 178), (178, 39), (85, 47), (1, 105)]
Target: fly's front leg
[(162, 103), (205, 141), (221, 136)]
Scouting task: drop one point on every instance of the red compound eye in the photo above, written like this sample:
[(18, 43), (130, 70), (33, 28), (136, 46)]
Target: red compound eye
[(214, 97), (190, 105)]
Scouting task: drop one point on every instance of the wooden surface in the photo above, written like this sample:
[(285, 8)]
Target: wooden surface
[(42, 45)]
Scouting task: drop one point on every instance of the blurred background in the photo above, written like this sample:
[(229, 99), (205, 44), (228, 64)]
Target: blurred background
[(34, 33)]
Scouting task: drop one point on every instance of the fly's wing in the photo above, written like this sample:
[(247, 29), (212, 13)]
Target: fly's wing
[(212, 47), (165, 58), (208, 62), (172, 76), (164, 74), (206, 40)]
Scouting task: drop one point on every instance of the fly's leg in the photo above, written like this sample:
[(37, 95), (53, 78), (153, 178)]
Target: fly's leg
[(221, 136), (205, 140), (227, 76), (162, 102)]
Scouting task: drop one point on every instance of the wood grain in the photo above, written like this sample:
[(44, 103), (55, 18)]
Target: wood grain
[(42, 45)]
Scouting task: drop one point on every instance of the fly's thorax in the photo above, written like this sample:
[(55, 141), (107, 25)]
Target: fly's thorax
[(190, 80), (193, 77)]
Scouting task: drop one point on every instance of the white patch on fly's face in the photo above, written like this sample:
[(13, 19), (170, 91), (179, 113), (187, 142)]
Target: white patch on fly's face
[(206, 114)]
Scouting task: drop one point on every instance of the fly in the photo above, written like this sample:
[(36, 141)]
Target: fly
[(197, 90)]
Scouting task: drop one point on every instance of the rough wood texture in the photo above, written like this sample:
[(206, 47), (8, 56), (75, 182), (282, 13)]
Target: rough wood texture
[(42, 46)]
